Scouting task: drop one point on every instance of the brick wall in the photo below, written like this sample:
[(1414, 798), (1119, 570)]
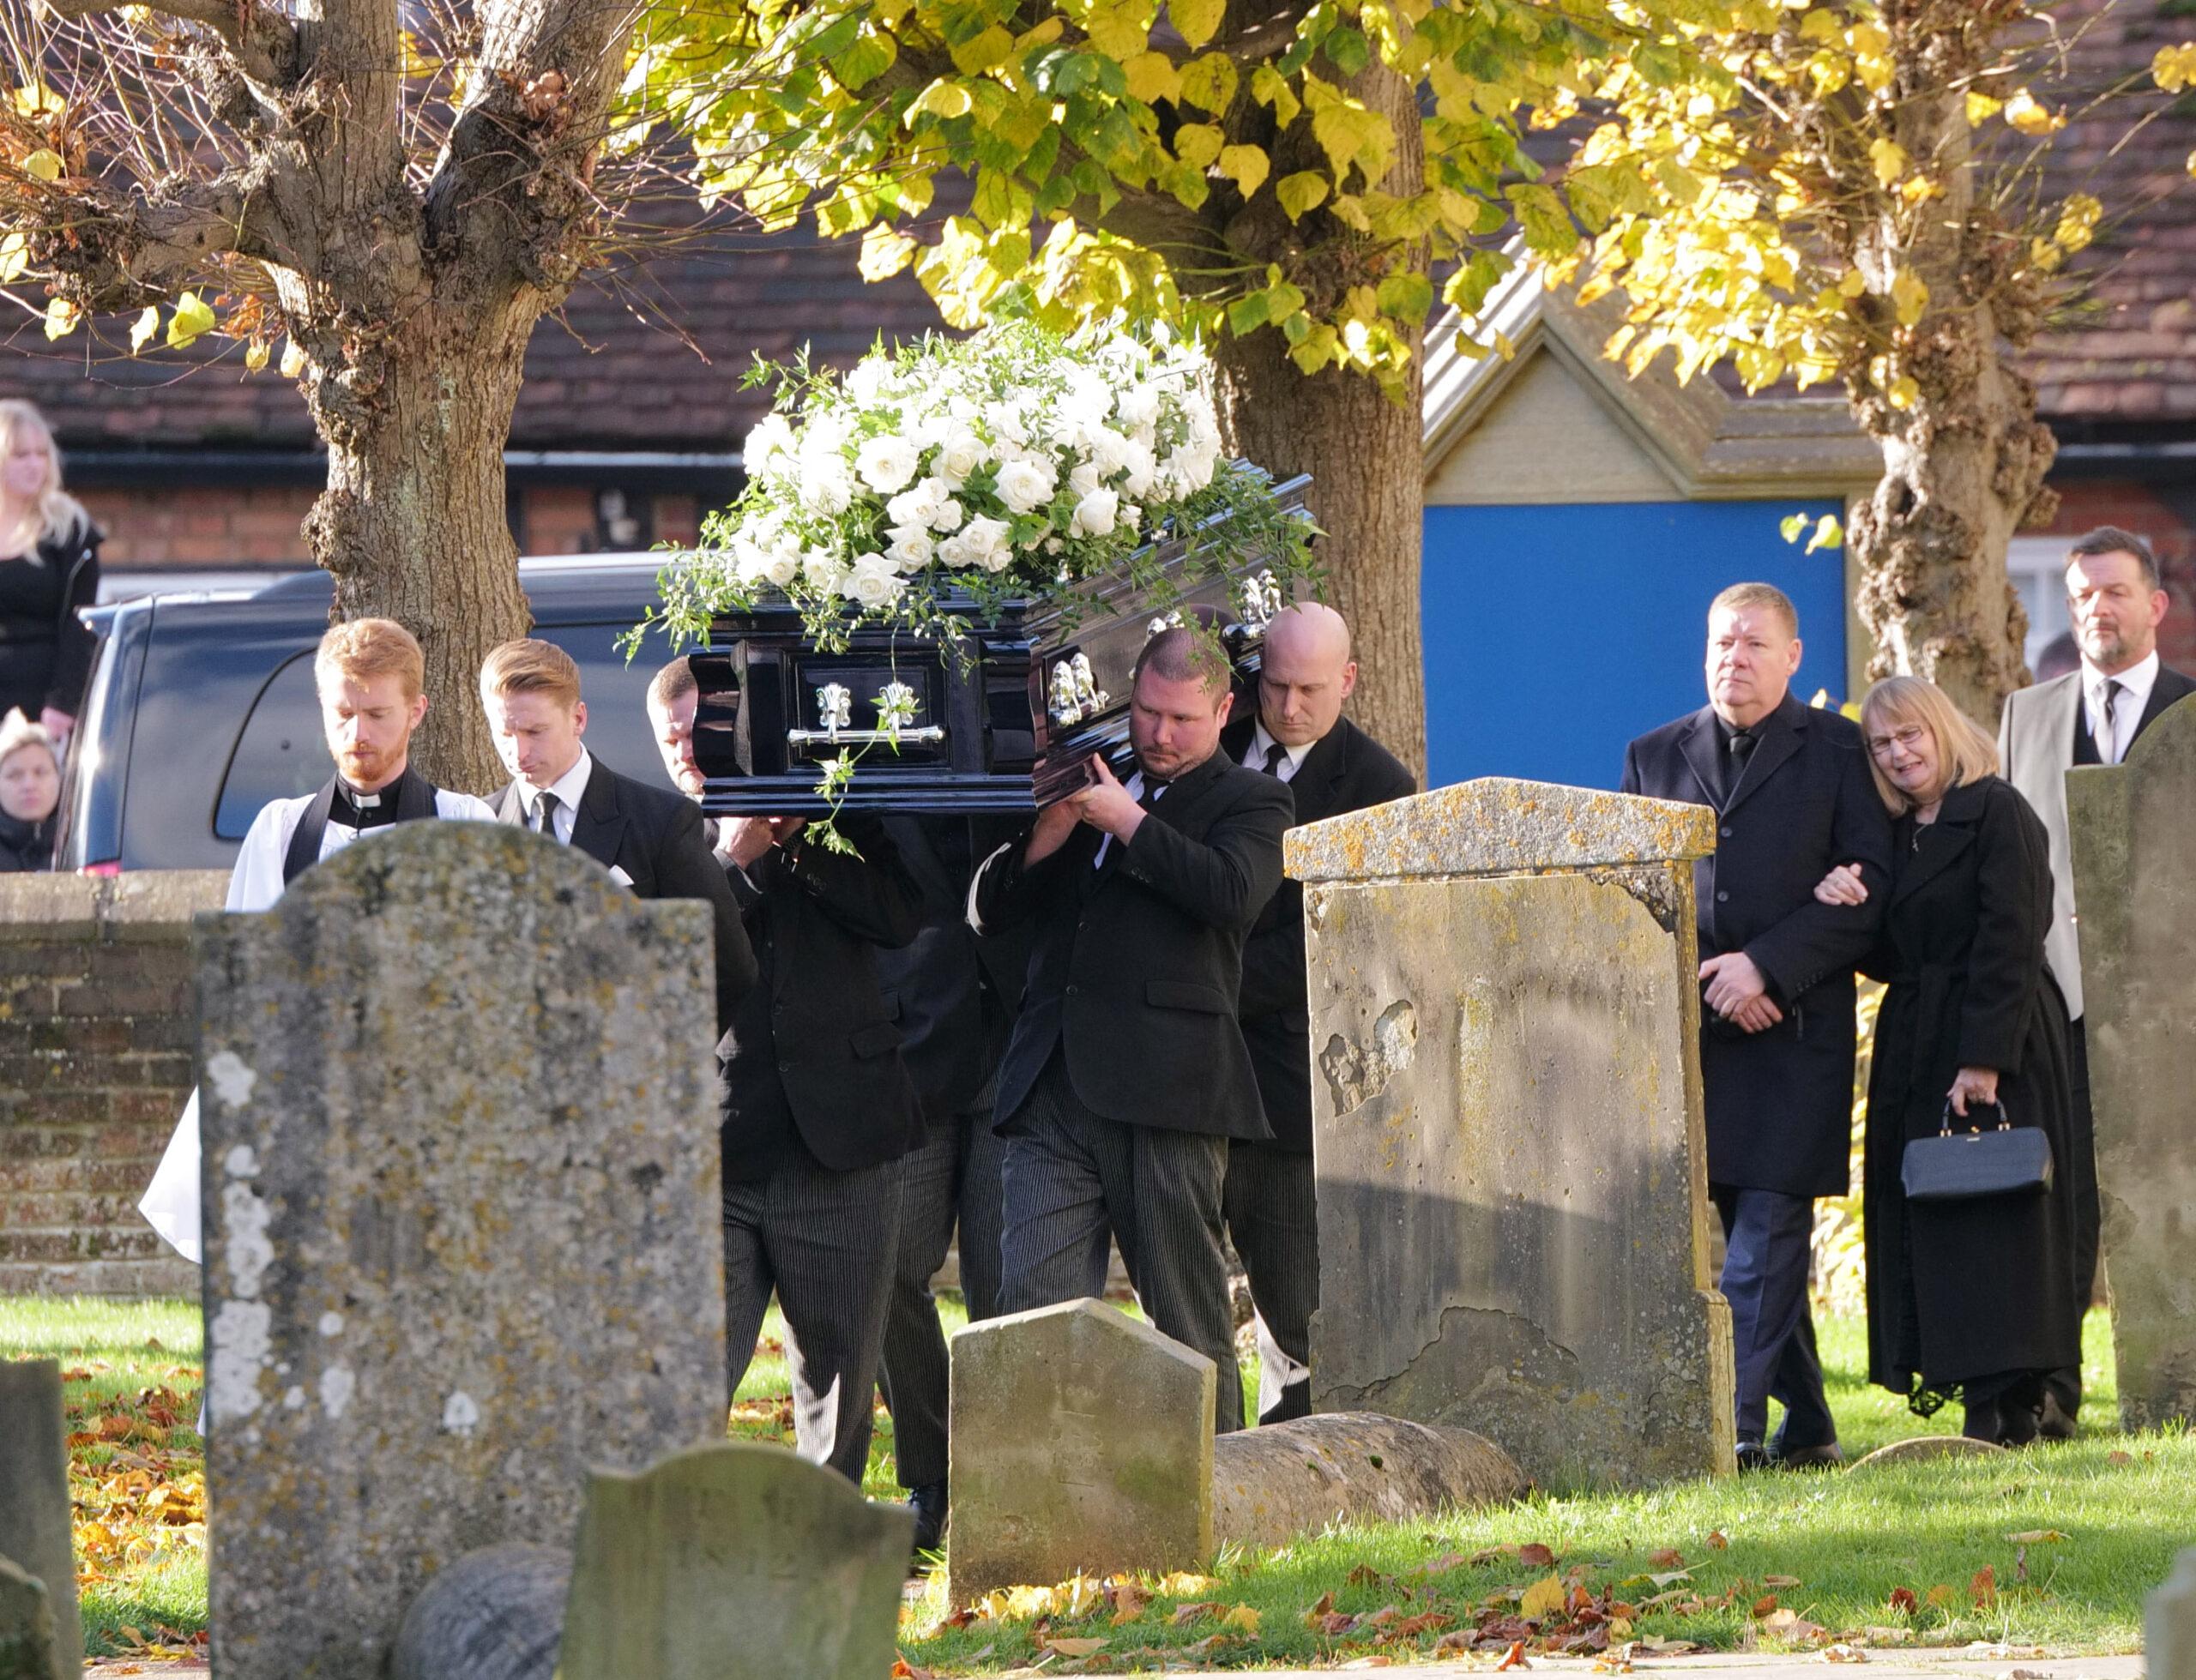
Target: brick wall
[(98, 1031)]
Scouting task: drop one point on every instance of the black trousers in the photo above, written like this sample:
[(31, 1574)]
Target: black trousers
[(1074, 1178), (1766, 1251), (1273, 1220), (826, 1242), (953, 1179), (2066, 1386)]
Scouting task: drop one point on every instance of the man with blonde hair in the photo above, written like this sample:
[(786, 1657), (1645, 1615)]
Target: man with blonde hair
[(368, 674), (648, 838), (1794, 799)]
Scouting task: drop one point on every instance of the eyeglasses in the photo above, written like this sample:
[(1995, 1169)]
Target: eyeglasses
[(1909, 736)]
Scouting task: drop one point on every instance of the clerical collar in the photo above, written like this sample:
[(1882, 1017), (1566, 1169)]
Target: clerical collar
[(354, 810)]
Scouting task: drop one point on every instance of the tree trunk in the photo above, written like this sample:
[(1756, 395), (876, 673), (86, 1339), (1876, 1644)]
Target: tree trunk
[(1963, 464), (413, 525)]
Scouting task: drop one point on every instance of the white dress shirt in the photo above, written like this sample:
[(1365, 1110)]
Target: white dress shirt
[(568, 788), (2135, 685), (1254, 755)]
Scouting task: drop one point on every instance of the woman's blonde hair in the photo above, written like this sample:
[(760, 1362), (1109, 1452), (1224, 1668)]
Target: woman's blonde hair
[(18, 731), (56, 511), (1965, 751)]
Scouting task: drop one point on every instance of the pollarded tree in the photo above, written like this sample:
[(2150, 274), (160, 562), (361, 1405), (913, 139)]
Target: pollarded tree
[(390, 192)]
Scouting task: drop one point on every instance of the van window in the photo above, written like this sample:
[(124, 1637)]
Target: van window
[(280, 754)]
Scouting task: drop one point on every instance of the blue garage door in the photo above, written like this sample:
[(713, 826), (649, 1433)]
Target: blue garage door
[(1555, 634)]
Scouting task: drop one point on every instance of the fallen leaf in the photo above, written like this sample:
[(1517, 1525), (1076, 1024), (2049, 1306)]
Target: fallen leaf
[(1325, 1607), (2117, 1457), (1536, 1556), (1902, 1600), (1185, 1614), (1842, 1653), (1940, 1595), (1542, 1597), (1365, 1576), (1486, 1555), (2036, 1537), (1669, 1557), (1128, 1600), (1072, 1647), (1983, 1587), (1439, 1566), (1332, 1624), (1513, 1658), (1765, 1605), (904, 1670), (1243, 1619), (1426, 1621), (1716, 1542), (1780, 1580)]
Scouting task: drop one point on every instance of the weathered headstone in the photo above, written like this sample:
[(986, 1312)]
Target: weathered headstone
[(739, 1547), (461, 1224), (495, 1614), (1507, 1116), (34, 1516), (1929, 1449), (2134, 860), (29, 1650), (1081, 1439), (1271, 1483), (2169, 1613)]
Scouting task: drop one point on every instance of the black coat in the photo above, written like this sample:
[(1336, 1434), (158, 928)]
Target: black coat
[(1963, 1289), (46, 649), (654, 836), (1780, 1102), (25, 847), (1136, 964), (813, 1059), (952, 993), (1346, 770)]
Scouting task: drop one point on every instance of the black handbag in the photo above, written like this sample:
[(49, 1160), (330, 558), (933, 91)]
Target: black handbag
[(1964, 1166)]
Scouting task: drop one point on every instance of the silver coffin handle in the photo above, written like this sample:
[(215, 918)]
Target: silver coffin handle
[(929, 734)]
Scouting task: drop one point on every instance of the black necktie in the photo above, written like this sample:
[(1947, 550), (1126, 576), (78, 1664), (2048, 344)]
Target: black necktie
[(2108, 747), (1153, 787), (544, 809), (1741, 749), (1276, 756)]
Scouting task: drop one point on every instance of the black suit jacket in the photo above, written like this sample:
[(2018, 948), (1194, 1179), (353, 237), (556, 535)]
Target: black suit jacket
[(655, 837), (1346, 770), (1780, 1102), (813, 1052), (1136, 965)]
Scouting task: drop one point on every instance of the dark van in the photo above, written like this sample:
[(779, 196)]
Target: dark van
[(201, 708)]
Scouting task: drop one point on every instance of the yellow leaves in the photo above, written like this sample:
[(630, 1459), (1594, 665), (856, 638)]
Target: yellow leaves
[(884, 252), (1852, 283), (1910, 295), (1152, 77), (191, 322), (2078, 221), (43, 166), (62, 318), (1197, 21), (1306, 189), (147, 323), (1197, 144), (1349, 133), (1888, 159), (1119, 31), (256, 352), (1270, 86), (2036, 1537), (1209, 81), (1247, 166), (983, 51), (411, 63), (1241, 1619), (15, 257), (2175, 67), (35, 99), (2032, 117), (1540, 212), (1543, 1597), (293, 358), (943, 98), (1982, 107)]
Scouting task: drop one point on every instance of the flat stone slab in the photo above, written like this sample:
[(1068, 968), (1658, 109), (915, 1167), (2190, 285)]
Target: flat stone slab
[(463, 1224), (1272, 1483), (1081, 1439), (35, 1531), (1926, 1449), (1498, 826), (737, 1559)]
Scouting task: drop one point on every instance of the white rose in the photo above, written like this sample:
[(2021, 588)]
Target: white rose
[(782, 569), (1085, 477), (1138, 406), (1131, 516), (770, 446), (1026, 485), (948, 516), (912, 548), (918, 506), (886, 462), (961, 454), (826, 486), (1109, 450), (872, 582), (986, 542), (1138, 468), (866, 382), (821, 569), (1008, 421), (1095, 514)]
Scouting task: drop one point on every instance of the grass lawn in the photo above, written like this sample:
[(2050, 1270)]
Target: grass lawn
[(1841, 1554)]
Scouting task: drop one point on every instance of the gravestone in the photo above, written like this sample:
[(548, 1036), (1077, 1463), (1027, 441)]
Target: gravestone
[(35, 1515), (461, 1218), (1271, 1483), (2133, 851), (29, 1650), (2169, 1613), (735, 1548), (1509, 1135), (1928, 1449), (1080, 1439)]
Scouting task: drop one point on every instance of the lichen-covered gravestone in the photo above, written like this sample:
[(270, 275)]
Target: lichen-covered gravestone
[(463, 1223), (34, 1516), (1081, 1439), (736, 1558), (2134, 861), (29, 1650), (2169, 1613), (1508, 1129)]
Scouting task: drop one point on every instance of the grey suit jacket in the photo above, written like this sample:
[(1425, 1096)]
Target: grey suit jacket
[(2035, 742)]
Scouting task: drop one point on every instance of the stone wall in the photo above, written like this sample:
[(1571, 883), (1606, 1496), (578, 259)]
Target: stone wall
[(98, 1028)]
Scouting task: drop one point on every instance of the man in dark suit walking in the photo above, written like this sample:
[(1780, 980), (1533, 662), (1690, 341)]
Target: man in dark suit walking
[(650, 841), (1297, 735), (1127, 1074), (1791, 787), (2091, 715)]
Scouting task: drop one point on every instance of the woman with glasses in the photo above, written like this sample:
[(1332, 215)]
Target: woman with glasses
[(1971, 1298)]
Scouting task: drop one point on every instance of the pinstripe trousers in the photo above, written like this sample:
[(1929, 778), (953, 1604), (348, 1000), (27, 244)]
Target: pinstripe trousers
[(1073, 1177), (827, 1243)]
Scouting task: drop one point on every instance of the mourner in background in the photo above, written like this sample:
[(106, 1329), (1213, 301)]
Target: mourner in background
[(368, 674), (1969, 1296), (818, 1107), (1793, 796), (2091, 715), (650, 841), (49, 570), (1297, 735), (953, 995), (30, 792), (1127, 1074)]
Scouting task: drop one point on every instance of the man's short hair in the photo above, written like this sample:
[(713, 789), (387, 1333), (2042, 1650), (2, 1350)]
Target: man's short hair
[(1740, 596), (672, 684), (1183, 655), (2111, 540), (365, 648), (531, 665)]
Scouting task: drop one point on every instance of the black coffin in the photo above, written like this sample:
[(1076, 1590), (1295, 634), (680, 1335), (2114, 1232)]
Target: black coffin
[(1006, 721)]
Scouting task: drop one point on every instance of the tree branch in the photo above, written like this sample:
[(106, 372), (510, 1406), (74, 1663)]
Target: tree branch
[(128, 252), (264, 42)]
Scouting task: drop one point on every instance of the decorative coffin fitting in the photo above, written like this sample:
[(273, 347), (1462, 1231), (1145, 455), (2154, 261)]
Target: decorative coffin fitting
[(1006, 722)]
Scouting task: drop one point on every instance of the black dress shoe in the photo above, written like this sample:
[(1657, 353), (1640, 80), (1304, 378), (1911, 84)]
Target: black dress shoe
[(928, 1503), (1752, 1456), (1828, 1456), (2054, 1422)]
